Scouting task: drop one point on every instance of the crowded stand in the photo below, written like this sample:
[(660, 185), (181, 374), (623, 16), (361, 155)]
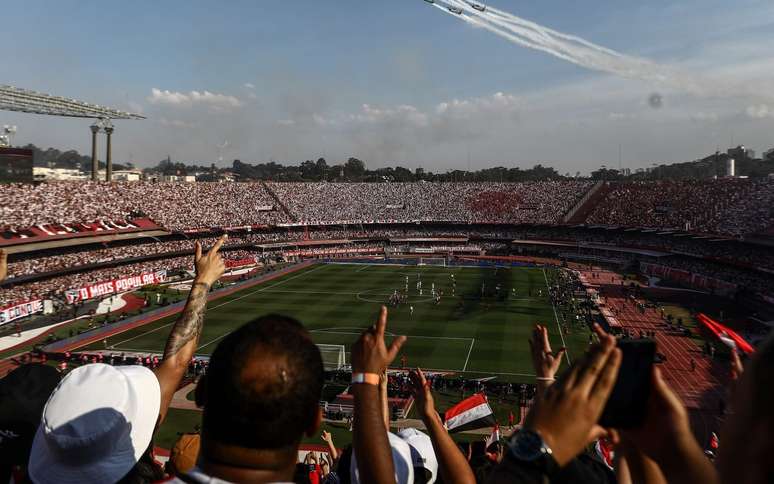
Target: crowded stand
[(56, 286), (725, 206), (537, 202), (53, 263), (176, 206), (730, 206)]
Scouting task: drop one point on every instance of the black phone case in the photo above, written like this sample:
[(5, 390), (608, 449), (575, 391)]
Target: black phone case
[(628, 401)]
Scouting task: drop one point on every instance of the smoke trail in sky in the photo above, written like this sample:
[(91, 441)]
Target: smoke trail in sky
[(577, 50)]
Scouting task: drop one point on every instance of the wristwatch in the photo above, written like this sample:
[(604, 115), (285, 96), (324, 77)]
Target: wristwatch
[(528, 447)]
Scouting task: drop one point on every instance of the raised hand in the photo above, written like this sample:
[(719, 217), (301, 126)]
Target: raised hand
[(544, 360), (422, 394), (737, 369), (210, 266), (566, 417), (370, 353)]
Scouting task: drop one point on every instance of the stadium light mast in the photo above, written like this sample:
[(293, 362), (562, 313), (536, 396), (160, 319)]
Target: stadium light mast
[(28, 101), (6, 137), (108, 127), (95, 129)]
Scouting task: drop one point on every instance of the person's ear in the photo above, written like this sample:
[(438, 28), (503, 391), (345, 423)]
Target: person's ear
[(314, 428), (200, 393)]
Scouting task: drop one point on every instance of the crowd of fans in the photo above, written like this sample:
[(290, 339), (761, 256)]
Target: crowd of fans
[(260, 396), (732, 206), (175, 206), (146, 247), (537, 202), (724, 206), (55, 287)]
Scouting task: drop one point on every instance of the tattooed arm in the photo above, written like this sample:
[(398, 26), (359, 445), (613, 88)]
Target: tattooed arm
[(184, 337), (3, 265)]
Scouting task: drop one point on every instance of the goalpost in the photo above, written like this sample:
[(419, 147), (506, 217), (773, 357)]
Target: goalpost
[(334, 356), (432, 261)]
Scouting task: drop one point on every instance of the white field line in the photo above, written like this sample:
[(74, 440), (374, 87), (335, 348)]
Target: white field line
[(363, 268), (329, 331), (556, 319), (222, 304), (472, 342)]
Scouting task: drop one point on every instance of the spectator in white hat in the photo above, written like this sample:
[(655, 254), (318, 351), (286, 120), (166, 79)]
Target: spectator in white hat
[(99, 422), (96, 425), (422, 455), (401, 460)]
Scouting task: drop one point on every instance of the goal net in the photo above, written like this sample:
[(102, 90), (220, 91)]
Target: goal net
[(333, 356), (432, 261)]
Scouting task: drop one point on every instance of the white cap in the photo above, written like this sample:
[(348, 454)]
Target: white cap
[(422, 452), (401, 459), (96, 425)]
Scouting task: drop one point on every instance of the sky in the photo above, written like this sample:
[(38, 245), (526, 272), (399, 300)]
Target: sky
[(395, 82)]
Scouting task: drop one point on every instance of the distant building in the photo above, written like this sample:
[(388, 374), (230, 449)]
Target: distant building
[(127, 175), (16, 165), (177, 178), (741, 153), (40, 173)]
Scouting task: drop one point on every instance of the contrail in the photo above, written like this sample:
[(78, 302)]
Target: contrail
[(582, 52)]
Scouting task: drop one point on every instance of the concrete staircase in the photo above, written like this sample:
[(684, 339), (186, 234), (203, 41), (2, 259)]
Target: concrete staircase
[(582, 209)]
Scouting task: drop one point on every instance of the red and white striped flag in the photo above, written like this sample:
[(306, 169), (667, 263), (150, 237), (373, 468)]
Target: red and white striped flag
[(494, 437), (472, 413)]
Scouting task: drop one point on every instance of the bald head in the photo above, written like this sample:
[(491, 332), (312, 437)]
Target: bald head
[(263, 385)]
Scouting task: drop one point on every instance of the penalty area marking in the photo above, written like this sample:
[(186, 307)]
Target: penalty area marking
[(410, 337), (387, 333), (472, 342)]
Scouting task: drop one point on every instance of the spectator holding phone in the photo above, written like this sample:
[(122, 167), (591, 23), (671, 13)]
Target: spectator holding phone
[(565, 415)]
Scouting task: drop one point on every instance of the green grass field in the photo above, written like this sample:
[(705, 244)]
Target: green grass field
[(464, 333)]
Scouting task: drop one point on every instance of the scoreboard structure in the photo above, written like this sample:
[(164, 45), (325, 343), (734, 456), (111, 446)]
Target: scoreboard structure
[(15, 165)]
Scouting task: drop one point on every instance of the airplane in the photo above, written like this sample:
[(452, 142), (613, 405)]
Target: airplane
[(477, 6), (456, 10)]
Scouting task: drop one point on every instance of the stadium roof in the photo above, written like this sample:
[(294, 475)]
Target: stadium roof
[(26, 101)]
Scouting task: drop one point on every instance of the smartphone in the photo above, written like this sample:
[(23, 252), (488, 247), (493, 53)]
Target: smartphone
[(628, 401)]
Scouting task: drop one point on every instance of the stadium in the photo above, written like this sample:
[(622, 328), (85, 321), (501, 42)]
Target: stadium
[(267, 322)]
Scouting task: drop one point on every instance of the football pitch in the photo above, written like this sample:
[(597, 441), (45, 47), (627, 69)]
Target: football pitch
[(465, 333)]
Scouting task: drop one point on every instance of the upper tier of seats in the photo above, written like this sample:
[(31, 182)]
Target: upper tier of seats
[(725, 206)]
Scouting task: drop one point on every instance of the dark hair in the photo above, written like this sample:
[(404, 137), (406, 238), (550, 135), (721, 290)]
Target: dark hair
[(263, 385)]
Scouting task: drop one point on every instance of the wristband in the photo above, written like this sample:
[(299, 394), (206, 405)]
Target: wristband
[(367, 378), (545, 378)]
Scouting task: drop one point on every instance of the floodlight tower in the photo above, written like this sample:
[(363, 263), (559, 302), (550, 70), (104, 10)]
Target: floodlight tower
[(6, 137), (95, 129), (108, 127)]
